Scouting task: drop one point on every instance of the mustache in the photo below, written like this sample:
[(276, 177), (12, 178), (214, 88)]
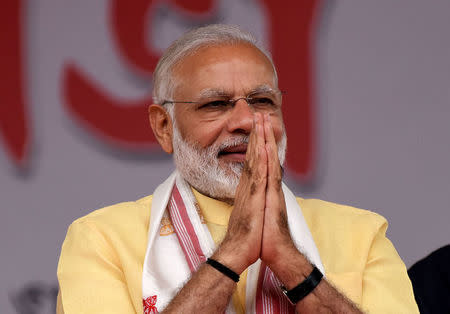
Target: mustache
[(231, 142), (228, 143)]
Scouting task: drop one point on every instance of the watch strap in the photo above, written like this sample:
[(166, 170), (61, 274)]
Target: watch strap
[(304, 288)]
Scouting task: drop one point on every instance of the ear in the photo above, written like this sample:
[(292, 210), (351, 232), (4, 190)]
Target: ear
[(161, 124)]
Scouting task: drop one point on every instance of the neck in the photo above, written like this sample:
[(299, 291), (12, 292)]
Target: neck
[(229, 201)]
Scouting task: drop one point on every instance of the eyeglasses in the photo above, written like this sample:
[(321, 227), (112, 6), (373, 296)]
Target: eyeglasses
[(217, 106)]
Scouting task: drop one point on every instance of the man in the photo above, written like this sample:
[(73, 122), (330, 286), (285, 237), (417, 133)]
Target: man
[(217, 108), (430, 277)]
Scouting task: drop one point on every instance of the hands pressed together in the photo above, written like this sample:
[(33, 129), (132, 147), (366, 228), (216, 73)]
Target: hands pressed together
[(258, 224)]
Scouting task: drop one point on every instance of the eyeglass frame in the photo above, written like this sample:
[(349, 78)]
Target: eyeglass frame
[(232, 102)]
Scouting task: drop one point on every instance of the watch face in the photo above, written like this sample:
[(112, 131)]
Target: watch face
[(286, 293)]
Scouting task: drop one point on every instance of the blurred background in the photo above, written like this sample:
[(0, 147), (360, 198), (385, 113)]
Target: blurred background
[(367, 113)]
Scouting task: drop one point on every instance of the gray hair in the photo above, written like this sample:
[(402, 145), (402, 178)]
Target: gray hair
[(188, 44)]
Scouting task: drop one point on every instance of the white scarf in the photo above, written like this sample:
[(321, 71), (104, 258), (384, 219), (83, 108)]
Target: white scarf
[(178, 245)]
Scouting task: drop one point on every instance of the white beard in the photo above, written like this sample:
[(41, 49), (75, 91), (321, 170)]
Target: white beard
[(201, 167)]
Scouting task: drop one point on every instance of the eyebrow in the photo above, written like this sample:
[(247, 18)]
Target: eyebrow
[(263, 89), (213, 92)]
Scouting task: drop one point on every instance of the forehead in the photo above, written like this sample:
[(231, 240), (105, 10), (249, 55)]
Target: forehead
[(235, 69)]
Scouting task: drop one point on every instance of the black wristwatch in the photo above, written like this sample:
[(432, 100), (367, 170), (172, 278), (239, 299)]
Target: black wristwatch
[(304, 288)]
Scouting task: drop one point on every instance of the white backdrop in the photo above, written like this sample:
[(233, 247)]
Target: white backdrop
[(382, 83)]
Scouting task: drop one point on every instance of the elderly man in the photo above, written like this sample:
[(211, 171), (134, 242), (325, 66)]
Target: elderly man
[(225, 216)]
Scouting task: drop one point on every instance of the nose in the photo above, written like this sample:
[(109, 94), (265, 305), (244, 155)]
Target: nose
[(240, 119)]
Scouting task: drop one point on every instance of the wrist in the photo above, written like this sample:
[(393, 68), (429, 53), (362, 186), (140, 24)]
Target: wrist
[(230, 256), (291, 268), (223, 269)]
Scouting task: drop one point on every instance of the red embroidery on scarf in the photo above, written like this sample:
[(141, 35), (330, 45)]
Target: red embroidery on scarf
[(150, 305)]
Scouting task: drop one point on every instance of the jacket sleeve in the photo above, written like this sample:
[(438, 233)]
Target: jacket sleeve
[(90, 275), (386, 285)]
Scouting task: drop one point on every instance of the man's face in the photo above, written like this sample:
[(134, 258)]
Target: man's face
[(219, 135)]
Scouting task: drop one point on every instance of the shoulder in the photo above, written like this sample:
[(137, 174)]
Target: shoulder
[(120, 220), (123, 212), (343, 233), (358, 258), (117, 232), (323, 214)]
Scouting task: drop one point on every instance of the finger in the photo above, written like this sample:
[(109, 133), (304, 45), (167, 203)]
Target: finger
[(256, 141), (252, 139), (274, 168), (255, 167), (259, 170), (260, 141)]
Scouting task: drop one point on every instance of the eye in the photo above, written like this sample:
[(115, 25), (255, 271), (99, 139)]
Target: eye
[(216, 104), (261, 101)]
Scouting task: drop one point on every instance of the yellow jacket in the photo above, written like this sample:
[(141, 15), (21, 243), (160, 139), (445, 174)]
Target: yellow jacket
[(100, 268)]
